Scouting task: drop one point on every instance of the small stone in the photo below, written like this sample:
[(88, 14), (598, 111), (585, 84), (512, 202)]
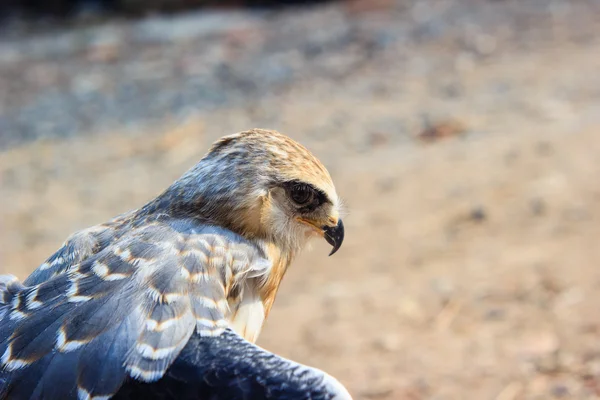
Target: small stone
[(560, 390), (537, 207), (543, 148), (495, 314), (387, 343), (441, 130), (478, 214), (387, 185), (378, 139)]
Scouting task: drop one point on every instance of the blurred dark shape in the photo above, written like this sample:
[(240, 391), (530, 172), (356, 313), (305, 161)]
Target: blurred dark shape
[(478, 214), (537, 207), (66, 8), (37, 8)]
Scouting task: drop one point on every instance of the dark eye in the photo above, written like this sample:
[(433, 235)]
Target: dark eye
[(301, 194)]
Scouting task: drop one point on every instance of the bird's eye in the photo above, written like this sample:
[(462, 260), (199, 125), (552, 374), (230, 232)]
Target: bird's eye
[(301, 194)]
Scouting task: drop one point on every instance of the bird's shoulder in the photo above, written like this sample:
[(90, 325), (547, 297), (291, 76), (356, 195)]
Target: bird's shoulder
[(78, 247), (134, 230)]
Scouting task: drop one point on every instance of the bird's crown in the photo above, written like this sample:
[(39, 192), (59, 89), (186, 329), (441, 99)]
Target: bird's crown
[(274, 156)]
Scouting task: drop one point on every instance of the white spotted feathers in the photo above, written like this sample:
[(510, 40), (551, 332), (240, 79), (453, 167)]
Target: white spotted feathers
[(148, 293)]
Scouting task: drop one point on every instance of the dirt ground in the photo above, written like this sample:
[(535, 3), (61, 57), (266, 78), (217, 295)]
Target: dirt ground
[(471, 266)]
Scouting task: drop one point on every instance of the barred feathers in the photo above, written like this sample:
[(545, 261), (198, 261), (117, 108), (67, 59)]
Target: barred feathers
[(127, 310)]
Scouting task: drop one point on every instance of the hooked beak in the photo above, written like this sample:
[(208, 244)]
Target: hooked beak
[(334, 235)]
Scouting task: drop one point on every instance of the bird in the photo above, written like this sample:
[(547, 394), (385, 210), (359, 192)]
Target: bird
[(168, 300)]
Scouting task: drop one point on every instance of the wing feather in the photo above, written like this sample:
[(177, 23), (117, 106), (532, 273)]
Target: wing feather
[(104, 378), (124, 311), (228, 367), (77, 248)]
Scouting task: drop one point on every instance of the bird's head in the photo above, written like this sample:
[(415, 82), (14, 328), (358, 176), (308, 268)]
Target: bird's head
[(262, 184)]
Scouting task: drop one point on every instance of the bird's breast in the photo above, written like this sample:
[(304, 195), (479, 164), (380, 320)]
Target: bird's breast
[(247, 313), (251, 308), (268, 290)]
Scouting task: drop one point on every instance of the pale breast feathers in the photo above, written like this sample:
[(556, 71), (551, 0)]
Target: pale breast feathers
[(126, 310)]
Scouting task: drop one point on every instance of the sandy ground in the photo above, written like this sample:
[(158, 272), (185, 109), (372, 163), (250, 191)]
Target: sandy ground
[(471, 268)]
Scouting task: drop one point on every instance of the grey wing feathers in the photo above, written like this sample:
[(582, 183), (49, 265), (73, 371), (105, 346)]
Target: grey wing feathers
[(9, 286), (74, 250), (125, 311), (229, 368)]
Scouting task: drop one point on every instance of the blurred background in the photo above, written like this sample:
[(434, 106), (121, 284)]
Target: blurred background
[(462, 134)]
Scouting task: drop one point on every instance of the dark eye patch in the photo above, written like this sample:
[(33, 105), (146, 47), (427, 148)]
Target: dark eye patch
[(299, 190)]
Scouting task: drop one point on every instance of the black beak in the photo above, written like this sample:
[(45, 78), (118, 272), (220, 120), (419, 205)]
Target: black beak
[(334, 236)]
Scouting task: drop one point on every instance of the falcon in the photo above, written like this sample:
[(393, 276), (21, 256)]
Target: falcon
[(167, 301)]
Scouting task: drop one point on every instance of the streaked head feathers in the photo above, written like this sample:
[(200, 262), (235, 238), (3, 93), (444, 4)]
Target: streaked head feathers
[(244, 183)]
